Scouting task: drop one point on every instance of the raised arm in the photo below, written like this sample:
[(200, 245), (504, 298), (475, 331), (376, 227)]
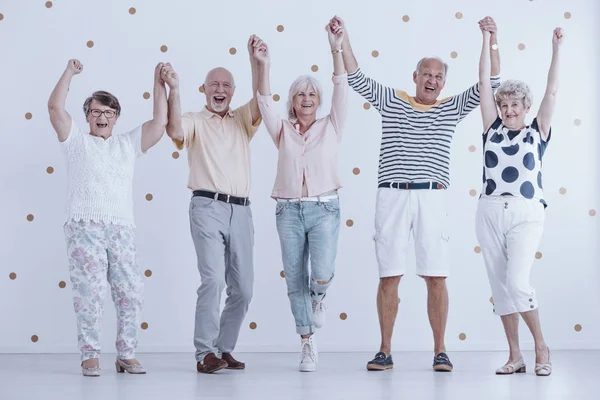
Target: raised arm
[(347, 55), (259, 52), (59, 117), (153, 129), (489, 112), (174, 125), (335, 34), (544, 116), (255, 67), (489, 25)]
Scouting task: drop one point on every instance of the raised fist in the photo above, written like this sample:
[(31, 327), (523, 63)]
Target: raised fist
[(75, 67)]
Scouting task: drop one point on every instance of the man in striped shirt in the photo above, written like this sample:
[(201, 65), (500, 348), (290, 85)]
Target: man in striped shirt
[(414, 171)]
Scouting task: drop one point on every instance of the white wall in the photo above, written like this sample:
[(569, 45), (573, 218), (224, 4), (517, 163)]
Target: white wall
[(36, 42)]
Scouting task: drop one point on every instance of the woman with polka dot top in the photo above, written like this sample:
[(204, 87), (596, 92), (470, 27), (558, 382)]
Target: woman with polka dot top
[(510, 214)]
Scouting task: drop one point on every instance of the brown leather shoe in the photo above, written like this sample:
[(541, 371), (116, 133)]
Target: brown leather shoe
[(232, 363), (211, 364)]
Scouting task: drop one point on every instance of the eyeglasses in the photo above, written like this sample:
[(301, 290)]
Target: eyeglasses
[(107, 113)]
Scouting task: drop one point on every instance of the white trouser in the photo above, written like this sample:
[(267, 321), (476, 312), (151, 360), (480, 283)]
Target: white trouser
[(509, 230)]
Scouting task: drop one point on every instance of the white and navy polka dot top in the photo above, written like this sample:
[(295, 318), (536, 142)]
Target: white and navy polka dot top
[(512, 161)]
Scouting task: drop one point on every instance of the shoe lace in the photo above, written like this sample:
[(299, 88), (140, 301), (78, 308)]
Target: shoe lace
[(308, 351), (318, 305)]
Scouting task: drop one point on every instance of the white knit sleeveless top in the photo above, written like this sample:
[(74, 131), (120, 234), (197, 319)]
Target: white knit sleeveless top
[(101, 175)]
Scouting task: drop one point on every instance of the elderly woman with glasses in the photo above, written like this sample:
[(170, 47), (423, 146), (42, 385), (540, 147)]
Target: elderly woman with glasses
[(99, 225), (511, 210), (307, 211)]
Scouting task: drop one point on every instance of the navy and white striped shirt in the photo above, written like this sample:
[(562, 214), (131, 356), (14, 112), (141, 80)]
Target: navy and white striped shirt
[(416, 138)]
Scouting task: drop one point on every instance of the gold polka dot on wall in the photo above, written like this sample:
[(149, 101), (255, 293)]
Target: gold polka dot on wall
[(349, 223), (48, 4), (454, 54), (567, 15), (201, 89), (12, 276), (253, 325), (30, 217), (492, 300), (343, 316), (367, 106), (375, 53), (144, 325), (276, 97), (458, 15), (356, 171), (592, 213), (1, 16), (90, 44), (146, 95), (28, 115), (132, 10), (164, 48), (314, 68), (50, 170), (62, 284), (280, 28), (462, 336), (577, 328), (282, 274), (232, 50), (35, 338), (562, 190), (473, 192), (149, 197), (538, 255), (472, 148), (577, 122), (175, 155), (477, 249), (148, 273), (521, 46), (406, 18)]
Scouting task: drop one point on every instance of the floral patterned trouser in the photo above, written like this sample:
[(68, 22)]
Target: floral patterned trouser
[(101, 254)]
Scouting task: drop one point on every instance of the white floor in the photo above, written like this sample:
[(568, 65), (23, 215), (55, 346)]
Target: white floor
[(275, 376)]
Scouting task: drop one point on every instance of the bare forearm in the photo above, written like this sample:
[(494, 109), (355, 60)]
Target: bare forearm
[(256, 72), (159, 113), (174, 128), (494, 54), (484, 63), (552, 84), (338, 62), (58, 98), (348, 56)]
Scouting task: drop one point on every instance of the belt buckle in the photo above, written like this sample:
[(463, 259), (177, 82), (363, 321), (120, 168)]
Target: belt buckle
[(227, 201), (216, 196)]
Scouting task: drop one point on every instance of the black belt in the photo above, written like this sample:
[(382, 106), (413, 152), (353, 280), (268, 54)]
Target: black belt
[(240, 201), (412, 185)]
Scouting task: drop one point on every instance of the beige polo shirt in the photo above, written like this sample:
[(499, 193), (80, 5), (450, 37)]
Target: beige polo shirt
[(219, 150)]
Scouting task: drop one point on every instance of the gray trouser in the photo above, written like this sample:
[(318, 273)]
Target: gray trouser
[(223, 236)]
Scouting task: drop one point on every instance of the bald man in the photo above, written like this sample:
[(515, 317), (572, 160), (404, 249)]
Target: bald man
[(217, 139)]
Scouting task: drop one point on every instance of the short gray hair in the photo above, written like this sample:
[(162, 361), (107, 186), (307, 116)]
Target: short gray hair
[(513, 89), (303, 83), (422, 60), (104, 98)]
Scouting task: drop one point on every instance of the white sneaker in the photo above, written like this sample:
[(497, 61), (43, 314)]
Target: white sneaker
[(309, 355), (318, 311)]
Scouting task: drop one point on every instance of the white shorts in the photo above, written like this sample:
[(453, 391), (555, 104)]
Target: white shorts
[(400, 212)]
